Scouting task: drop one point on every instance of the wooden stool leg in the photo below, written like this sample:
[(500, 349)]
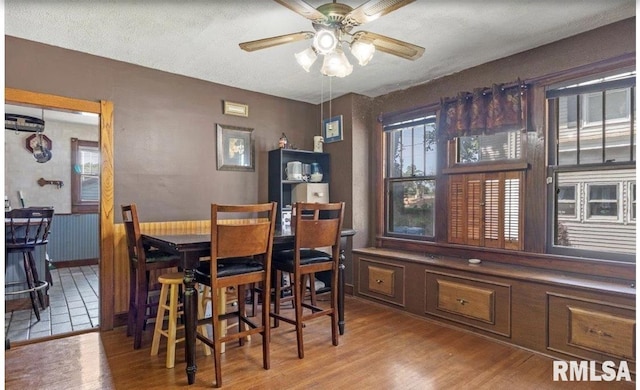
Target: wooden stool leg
[(222, 309), (202, 312), (155, 344), (173, 322)]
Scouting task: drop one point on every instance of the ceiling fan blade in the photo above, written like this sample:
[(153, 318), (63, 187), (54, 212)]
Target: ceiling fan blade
[(372, 10), (275, 41), (303, 8), (393, 46)]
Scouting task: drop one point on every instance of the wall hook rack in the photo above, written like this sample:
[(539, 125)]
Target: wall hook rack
[(43, 182)]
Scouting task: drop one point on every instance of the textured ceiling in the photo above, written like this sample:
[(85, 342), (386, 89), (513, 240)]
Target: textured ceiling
[(200, 38)]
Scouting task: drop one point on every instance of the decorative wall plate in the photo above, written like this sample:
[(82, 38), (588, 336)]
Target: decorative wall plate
[(32, 142)]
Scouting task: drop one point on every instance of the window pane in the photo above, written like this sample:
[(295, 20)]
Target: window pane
[(412, 151), (499, 146), (411, 207), (603, 200), (468, 150), (89, 188), (567, 201), (567, 130), (591, 131), (596, 224), (618, 125), (431, 157)]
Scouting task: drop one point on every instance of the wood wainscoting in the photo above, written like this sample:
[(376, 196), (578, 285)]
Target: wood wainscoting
[(565, 315)]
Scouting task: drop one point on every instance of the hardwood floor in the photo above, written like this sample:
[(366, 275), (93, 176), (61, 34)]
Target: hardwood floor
[(381, 349)]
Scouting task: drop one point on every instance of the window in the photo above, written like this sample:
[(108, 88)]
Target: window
[(85, 192), (592, 167), (410, 177)]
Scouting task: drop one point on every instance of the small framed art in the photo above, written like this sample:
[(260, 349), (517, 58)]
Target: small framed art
[(332, 129), (236, 149), (237, 109)]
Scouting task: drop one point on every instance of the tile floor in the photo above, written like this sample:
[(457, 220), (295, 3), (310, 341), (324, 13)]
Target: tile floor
[(74, 305)]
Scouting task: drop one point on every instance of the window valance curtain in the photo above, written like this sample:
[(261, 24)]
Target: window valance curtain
[(485, 111)]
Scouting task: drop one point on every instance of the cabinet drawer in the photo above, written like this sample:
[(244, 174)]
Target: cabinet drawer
[(383, 281), (586, 328), (479, 303), (473, 302)]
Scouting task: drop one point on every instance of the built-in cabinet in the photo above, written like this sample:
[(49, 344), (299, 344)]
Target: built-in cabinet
[(568, 316), (281, 189)]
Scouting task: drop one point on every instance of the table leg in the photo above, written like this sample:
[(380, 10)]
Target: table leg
[(341, 267), (190, 313)]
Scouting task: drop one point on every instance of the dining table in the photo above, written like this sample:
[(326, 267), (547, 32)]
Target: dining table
[(192, 247)]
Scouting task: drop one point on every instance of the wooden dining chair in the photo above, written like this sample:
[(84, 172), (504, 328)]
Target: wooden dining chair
[(241, 245), (317, 225), (141, 262)]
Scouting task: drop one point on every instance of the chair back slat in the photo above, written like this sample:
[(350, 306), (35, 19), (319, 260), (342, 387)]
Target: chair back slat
[(318, 233), (243, 240), (318, 225), (28, 227), (132, 232), (242, 230)]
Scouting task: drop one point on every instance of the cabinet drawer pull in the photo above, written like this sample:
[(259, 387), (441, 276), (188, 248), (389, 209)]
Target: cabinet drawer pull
[(379, 281), (461, 301), (599, 333)]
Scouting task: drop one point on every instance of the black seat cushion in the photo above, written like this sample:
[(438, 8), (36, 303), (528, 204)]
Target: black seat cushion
[(228, 267), (283, 260)]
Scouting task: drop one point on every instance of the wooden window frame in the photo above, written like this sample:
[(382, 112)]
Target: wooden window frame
[(554, 166)]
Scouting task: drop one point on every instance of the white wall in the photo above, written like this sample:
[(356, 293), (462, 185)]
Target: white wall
[(22, 171)]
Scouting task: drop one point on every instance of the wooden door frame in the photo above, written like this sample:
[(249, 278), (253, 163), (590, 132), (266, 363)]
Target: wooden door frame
[(104, 109)]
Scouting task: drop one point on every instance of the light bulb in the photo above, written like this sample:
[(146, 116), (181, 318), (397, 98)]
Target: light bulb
[(336, 64), (363, 51), (325, 41), (306, 58)]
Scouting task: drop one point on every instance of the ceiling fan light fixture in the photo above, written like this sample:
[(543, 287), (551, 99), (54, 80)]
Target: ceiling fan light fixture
[(306, 58), (325, 41), (363, 50), (336, 64)]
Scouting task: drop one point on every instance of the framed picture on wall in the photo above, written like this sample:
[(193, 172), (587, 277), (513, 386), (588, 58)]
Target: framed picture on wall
[(332, 129), (235, 148)]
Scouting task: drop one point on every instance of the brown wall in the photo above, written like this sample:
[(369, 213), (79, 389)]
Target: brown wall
[(165, 127), (583, 49)]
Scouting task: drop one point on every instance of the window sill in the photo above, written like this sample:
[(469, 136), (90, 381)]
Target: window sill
[(486, 167)]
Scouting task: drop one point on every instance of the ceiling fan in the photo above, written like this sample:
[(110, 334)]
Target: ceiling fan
[(333, 23)]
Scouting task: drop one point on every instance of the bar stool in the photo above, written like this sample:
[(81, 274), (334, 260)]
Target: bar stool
[(25, 230), (170, 283)]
